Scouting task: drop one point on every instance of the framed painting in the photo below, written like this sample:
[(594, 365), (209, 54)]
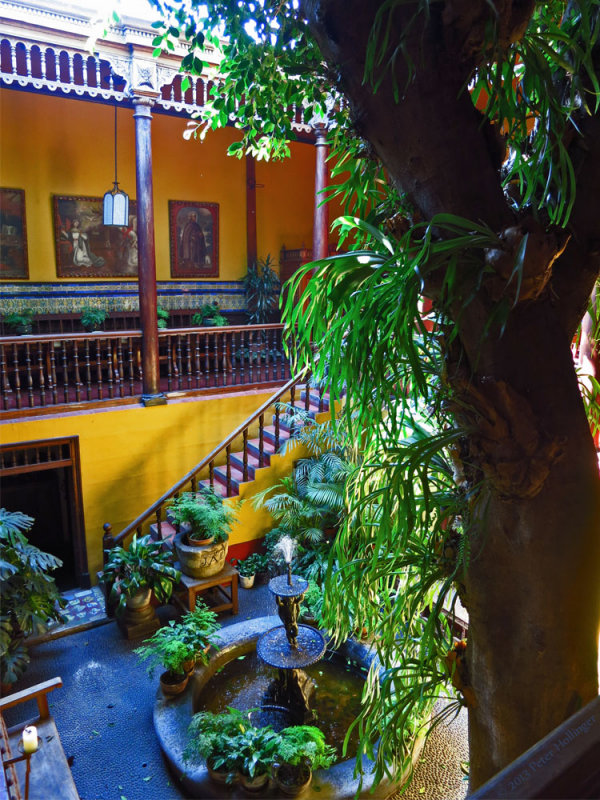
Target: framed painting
[(13, 235), (194, 236), (85, 247)]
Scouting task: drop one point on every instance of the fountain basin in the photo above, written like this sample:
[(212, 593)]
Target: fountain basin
[(172, 717)]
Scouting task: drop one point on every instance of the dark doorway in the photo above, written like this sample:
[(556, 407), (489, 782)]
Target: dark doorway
[(42, 479), (43, 495)]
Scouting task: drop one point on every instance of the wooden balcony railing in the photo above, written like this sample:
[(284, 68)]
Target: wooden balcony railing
[(50, 371), (564, 764), (253, 428)]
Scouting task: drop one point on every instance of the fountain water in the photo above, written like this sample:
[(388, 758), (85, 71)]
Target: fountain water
[(291, 647)]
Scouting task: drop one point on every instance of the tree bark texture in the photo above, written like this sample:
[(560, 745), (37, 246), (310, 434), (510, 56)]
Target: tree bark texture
[(532, 584)]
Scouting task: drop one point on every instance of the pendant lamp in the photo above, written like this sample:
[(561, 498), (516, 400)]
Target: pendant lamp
[(116, 202)]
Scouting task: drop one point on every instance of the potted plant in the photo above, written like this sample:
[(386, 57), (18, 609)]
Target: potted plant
[(202, 547), (209, 315), (162, 317), (211, 736), (198, 515), (198, 629), (256, 750), (261, 286), (30, 598), (169, 649), (132, 574), (92, 319), (301, 749), (20, 322), (249, 567)]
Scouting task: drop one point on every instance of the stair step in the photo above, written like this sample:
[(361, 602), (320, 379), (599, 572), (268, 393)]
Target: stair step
[(237, 460), (218, 488), (315, 399), (237, 477), (254, 450), (167, 533)]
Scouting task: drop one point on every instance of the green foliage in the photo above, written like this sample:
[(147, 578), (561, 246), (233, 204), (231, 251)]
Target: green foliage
[(255, 562), (30, 599), (198, 629), (305, 744), (535, 91), (162, 317), (167, 648), (231, 742), (180, 642), (209, 315), (144, 565), (20, 321), (210, 737), (256, 749), (206, 512), (93, 318), (313, 600), (261, 287)]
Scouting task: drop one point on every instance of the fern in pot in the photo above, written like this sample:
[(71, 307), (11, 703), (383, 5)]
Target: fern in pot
[(169, 649), (301, 749), (204, 522)]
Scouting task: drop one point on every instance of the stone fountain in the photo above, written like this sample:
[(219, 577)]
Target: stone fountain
[(290, 647)]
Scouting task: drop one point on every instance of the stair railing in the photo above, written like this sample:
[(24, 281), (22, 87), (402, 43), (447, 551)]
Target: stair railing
[(155, 512)]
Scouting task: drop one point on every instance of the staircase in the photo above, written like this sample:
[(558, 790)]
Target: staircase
[(233, 464), (240, 467)]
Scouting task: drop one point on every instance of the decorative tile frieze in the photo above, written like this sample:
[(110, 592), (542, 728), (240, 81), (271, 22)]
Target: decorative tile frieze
[(70, 298)]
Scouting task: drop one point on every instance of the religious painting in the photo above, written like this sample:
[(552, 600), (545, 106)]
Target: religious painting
[(13, 235), (194, 234), (86, 248)]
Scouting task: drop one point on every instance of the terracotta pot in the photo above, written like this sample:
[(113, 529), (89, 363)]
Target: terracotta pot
[(292, 780), (169, 687), (191, 542), (203, 561), (255, 784), (189, 666), (247, 581)]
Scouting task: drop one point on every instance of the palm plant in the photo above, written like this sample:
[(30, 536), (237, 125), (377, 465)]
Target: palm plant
[(261, 285)]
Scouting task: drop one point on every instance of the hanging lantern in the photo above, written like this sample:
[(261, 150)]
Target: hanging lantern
[(116, 202)]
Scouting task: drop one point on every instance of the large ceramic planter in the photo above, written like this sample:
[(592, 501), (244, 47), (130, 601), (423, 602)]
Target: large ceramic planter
[(203, 561)]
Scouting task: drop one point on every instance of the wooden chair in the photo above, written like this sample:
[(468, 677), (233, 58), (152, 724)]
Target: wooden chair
[(50, 774)]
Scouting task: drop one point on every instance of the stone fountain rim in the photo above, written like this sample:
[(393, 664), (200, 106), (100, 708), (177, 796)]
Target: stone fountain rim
[(172, 717)]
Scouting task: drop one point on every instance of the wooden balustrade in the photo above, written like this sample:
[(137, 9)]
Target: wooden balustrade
[(40, 372), (221, 456)]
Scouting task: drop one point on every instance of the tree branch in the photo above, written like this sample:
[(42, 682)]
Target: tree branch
[(420, 120)]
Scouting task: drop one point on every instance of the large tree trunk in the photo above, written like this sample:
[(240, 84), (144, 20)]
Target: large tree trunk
[(532, 585)]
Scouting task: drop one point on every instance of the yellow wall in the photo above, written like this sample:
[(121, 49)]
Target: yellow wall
[(52, 145), (131, 455)]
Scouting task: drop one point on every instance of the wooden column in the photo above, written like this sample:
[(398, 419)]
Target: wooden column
[(251, 241), (151, 394), (321, 216)]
